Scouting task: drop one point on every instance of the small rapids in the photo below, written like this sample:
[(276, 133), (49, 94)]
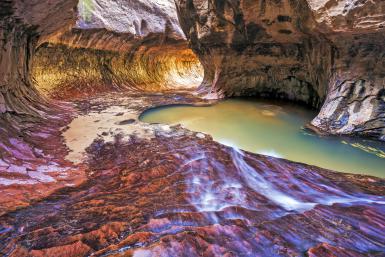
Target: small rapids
[(175, 192), (218, 186)]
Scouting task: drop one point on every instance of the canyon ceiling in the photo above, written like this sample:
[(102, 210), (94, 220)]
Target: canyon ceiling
[(65, 59)]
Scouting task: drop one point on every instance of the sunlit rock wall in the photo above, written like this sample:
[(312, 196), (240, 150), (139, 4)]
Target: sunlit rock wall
[(138, 18), (64, 72), (323, 53), (31, 149), (118, 45), (22, 25)]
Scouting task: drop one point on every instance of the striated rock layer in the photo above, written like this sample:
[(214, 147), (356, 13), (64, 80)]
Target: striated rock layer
[(323, 53), (155, 190), (179, 193), (46, 49), (31, 147), (61, 71), (134, 45), (22, 25)]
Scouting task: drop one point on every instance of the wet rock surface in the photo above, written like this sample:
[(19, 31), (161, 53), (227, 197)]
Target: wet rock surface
[(170, 191), (180, 193), (32, 164)]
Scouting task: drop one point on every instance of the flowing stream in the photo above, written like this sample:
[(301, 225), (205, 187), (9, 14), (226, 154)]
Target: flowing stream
[(275, 129)]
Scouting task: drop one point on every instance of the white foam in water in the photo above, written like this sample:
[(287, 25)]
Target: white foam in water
[(270, 152), (208, 195), (215, 194), (227, 142), (274, 130), (259, 184)]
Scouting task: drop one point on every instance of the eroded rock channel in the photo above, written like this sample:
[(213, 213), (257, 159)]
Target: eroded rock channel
[(274, 128), (82, 175)]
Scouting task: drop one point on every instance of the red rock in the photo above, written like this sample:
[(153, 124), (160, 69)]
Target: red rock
[(77, 249)]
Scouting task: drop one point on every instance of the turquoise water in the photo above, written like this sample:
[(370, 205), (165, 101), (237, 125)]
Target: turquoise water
[(274, 129)]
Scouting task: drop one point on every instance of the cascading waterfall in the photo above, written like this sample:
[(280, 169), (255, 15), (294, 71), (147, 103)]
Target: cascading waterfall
[(215, 186)]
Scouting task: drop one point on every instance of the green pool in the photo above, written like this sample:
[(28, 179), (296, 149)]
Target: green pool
[(275, 129)]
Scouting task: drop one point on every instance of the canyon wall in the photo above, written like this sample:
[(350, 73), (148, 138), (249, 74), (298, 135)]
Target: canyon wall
[(133, 45), (355, 102), (327, 54), (31, 149), (49, 48), (64, 72), (268, 48), (22, 26), (322, 53)]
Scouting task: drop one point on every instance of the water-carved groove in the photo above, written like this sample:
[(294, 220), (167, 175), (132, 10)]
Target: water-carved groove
[(81, 174)]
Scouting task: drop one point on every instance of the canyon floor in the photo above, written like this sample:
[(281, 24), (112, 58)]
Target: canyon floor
[(128, 188), (82, 175)]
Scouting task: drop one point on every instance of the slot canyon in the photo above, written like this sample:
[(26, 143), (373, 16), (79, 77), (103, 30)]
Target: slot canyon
[(192, 128)]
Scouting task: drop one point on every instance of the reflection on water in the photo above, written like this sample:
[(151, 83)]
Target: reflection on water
[(274, 129)]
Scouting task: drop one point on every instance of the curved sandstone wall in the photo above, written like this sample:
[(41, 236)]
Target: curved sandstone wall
[(46, 49), (355, 102), (64, 72), (134, 45), (327, 54), (323, 53), (22, 26)]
